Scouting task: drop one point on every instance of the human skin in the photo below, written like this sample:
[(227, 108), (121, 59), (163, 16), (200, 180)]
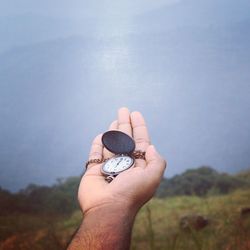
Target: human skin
[(109, 209)]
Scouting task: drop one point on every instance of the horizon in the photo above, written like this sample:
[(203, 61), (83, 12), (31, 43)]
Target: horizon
[(60, 181)]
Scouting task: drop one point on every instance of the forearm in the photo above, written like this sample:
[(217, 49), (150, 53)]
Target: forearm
[(105, 228)]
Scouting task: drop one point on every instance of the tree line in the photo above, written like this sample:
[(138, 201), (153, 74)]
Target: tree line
[(61, 198), (203, 181)]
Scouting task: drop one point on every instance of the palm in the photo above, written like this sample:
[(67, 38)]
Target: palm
[(94, 191)]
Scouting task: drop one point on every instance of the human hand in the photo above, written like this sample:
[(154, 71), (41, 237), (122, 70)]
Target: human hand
[(131, 188)]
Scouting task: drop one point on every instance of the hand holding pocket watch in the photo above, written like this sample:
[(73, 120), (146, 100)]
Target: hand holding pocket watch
[(125, 155), (114, 205), (123, 146)]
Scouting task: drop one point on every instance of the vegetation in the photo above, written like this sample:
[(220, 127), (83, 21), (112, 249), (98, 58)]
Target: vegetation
[(225, 228), (213, 216), (60, 199), (201, 182)]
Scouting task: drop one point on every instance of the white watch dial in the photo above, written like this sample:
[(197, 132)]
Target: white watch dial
[(117, 164)]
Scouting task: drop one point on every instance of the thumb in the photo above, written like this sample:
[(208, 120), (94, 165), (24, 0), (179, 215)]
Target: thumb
[(155, 162)]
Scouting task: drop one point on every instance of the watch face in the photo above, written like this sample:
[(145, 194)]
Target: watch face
[(117, 164)]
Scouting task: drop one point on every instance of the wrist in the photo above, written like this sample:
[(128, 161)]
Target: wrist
[(105, 227), (112, 205), (110, 212)]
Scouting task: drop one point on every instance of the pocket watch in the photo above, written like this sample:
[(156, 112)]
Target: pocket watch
[(123, 146)]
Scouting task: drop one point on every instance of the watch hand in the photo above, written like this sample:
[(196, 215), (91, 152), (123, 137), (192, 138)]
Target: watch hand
[(119, 162)]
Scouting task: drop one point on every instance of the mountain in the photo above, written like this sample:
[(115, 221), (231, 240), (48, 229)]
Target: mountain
[(28, 28), (37, 96), (194, 13)]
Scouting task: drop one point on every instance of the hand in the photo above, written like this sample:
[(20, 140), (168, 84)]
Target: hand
[(131, 188), (111, 207)]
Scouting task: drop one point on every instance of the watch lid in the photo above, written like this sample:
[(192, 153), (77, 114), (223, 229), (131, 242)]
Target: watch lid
[(118, 142)]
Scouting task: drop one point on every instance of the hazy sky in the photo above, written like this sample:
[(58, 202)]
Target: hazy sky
[(80, 9), (67, 66)]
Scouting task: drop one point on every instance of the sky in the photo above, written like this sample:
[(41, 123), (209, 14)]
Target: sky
[(82, 9), (67, 66)]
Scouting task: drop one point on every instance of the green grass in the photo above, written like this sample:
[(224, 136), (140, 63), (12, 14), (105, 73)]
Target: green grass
[(156, 226), (225, 230)]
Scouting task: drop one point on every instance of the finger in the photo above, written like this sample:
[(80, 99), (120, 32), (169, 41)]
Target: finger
[(140, 131), (124, 124), (156, 165), (96, 151), (113, 125), (107, 154)]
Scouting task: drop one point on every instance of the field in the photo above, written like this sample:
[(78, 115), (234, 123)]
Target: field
[(194, 223), (182, 222)]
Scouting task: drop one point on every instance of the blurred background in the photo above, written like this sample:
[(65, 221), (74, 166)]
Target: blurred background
[(67, 66), (65, 69)]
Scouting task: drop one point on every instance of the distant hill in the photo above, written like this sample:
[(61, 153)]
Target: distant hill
[(245, 175), (38, 94), (29, 28), (61, 198), (202, 181), (193, 13)]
